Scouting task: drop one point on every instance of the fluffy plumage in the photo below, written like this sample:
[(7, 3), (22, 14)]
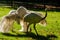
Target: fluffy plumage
[(7, 21)]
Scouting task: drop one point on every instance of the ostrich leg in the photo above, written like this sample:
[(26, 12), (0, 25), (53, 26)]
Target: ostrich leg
[(28, 27), (35, 29)]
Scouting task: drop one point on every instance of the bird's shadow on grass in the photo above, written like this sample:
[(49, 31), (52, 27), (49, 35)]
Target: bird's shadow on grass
[(33, 36)]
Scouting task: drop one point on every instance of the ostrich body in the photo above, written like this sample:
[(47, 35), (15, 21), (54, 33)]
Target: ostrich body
[(34, 18)]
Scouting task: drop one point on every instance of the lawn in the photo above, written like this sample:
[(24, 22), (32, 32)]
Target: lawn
[(50, 32)]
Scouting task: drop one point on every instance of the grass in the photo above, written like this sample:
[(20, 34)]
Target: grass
[(50, 32)]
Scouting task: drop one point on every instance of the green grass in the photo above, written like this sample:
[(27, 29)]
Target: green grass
[(50, 32)]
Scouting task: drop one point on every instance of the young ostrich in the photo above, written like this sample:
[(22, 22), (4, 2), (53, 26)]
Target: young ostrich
[(7, 22), (34, 18), (21, 12)]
